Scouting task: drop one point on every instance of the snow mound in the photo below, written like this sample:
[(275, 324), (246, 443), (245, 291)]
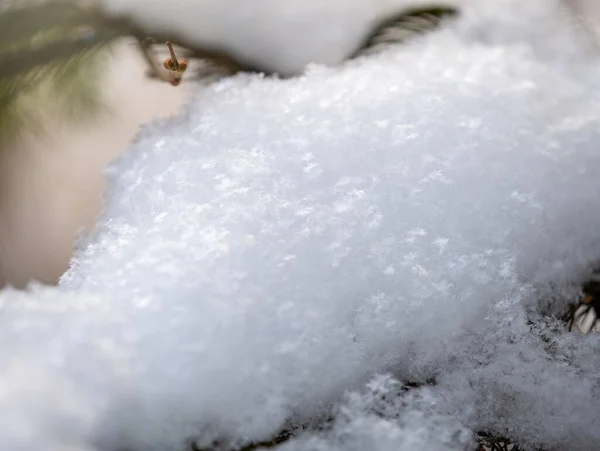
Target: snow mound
[(57, 351), (283, 243), (284, 36)]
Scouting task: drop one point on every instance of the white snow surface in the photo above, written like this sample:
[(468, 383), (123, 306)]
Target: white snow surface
[(282, 35), (290, 249)]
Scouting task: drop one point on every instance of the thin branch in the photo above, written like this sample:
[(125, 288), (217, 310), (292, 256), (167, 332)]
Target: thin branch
[(218, 56), (155, 70)]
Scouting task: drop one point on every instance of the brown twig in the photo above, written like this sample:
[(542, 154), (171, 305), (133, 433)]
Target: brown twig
[(172, 52)]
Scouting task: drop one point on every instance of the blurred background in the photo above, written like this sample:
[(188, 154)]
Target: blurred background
[(51, 165), (51, 178)]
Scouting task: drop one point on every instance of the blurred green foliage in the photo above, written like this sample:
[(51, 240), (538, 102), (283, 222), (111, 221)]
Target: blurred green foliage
[(36, 80)]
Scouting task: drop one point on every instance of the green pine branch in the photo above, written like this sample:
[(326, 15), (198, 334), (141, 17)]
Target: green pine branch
[(37, 81)]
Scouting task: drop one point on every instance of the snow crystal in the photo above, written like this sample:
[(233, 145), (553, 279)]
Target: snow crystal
[(282, 243)]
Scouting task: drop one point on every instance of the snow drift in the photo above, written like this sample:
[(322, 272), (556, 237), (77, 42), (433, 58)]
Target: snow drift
[(268, 256)]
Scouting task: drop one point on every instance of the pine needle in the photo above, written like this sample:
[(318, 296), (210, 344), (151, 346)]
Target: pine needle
[(50, 57)]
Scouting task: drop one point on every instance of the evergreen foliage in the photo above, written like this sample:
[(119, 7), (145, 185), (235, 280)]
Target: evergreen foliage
[(35, 79)]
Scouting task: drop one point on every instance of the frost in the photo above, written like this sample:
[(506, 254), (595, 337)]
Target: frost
[(266, 256)]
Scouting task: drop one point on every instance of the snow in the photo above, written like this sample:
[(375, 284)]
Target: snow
[(282, 36), (286, 249), (286, 35)]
